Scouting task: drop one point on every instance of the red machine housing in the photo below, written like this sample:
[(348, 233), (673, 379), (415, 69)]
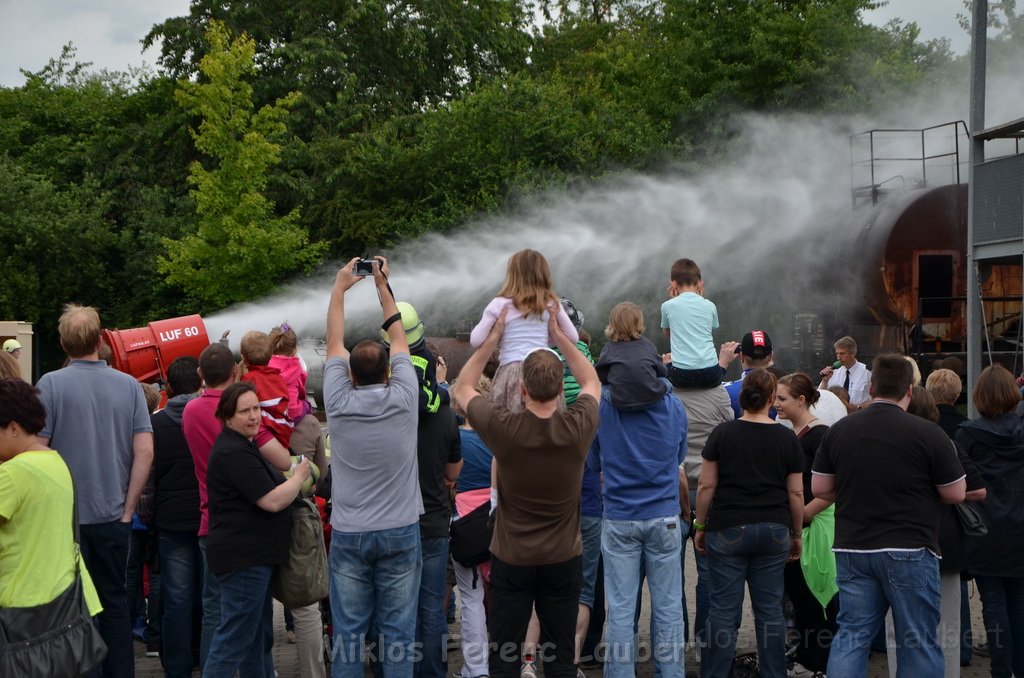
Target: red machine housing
[(146, 352)]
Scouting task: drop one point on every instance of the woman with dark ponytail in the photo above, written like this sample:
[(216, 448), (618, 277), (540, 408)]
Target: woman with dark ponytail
[(811, 582), (750, 510)]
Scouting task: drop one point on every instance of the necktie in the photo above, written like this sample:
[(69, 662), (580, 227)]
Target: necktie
[(846, 382)]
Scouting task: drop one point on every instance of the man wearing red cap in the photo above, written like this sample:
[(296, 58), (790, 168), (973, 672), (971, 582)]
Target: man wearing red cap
[(754, 351)]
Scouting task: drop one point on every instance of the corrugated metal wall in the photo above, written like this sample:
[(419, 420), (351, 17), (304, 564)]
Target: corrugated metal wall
[(999, 200)]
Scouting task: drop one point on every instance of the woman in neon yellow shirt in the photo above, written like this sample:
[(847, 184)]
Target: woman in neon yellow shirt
[(37, 546)]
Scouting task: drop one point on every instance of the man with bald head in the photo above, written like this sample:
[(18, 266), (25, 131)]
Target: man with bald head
[(540, 451), (97, 419)]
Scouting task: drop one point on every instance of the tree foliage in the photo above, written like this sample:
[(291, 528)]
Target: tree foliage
[(241, 248), (357, 63)]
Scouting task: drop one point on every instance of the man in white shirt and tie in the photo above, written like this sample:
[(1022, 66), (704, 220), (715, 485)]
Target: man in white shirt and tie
[(853, 376)]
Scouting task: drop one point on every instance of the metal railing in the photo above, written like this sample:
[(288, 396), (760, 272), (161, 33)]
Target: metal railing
[(874, 161), (918, 335)]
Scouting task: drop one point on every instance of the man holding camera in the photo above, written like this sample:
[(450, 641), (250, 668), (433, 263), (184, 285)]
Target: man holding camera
[(375, 544)]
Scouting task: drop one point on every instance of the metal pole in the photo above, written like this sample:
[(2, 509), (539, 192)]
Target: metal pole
[(956, 144), (924, 163), (874, 189), (979, 36)]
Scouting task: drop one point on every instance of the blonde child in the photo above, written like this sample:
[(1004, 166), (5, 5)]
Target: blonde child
[(270, 387), (529, 299), (630, 366)]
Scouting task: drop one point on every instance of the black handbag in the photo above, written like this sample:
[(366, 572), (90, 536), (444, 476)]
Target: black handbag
[(470, 537), (57, 639), (971, 522)]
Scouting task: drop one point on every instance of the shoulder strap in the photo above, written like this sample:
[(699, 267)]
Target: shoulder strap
[(74, 521)]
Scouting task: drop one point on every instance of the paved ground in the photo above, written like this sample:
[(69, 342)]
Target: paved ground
[(285, 658)]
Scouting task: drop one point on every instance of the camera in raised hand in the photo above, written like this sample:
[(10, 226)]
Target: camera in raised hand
[(364, 267)]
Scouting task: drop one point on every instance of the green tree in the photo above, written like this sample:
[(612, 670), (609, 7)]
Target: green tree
[(437, 170), (55, 246), (112, 146), (357, 62), (242, 248)]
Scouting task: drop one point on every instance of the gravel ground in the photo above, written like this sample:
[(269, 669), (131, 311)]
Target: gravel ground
[(285, 659)]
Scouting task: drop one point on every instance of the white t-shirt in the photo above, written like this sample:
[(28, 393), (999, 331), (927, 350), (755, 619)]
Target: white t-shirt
[(523, 333), (690, 319)]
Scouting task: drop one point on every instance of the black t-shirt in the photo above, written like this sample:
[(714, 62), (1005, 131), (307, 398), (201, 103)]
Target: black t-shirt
[(241, 533), (754, 461), (950, 419), (438, 444), (887, 464), (809, 443)]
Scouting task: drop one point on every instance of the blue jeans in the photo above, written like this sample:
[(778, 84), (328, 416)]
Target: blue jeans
[(105, 550), (245, 635), (431, 625), (966, 636), (656, 544), (375, 575), (590, 530), (869, 585), (702, 601), (181, 571), (211, 607), (754, 554), (1002, 599)]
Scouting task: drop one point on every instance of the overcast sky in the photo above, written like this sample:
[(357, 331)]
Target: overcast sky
[(107, 32)]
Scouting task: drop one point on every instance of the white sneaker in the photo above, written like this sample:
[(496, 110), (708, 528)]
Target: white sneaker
[(528, 670)]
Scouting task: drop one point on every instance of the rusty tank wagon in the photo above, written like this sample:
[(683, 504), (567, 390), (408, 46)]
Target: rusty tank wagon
[(906, 246)]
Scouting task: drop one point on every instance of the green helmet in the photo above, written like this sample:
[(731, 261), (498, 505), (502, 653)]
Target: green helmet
[(410, 321)]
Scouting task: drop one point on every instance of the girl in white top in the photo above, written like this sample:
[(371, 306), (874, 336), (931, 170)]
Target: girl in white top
[(528, 296)]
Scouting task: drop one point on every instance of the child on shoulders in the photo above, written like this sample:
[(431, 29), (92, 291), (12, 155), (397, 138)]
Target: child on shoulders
[(527, 294), (270, 388), (630, 367), (688, 319), (284, 344)]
